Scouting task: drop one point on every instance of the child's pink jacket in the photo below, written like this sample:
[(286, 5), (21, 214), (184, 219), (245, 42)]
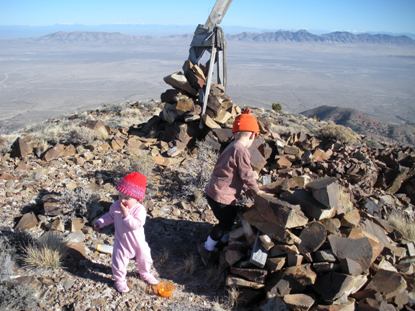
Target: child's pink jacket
[(129, 231)]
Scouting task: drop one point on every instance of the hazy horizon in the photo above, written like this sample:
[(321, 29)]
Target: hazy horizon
[(27, 31), (42, 80)]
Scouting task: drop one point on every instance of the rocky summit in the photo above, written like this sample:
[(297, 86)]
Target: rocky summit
[(334, 229)]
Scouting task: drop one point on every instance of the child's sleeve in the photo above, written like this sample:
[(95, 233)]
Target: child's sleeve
[(136, 218), (246, 173), (107, 218)]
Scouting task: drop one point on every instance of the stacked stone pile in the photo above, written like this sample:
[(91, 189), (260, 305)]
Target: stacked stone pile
[(179, 122), (319, 237)]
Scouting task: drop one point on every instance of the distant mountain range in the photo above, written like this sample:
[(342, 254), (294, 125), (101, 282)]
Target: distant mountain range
[(90, 37), (277, 36), (332, 37), (365, 124)]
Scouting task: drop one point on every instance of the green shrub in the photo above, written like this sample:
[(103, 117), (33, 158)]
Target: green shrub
[(277, 107), (338, 132)]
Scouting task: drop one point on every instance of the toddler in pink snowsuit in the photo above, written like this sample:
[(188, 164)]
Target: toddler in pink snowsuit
[(129, 216)]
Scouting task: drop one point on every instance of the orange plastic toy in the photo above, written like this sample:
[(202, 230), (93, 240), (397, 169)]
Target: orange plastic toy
[(165, 289)]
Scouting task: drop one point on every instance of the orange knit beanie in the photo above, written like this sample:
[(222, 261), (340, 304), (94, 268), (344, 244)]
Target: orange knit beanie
[(245, 122)]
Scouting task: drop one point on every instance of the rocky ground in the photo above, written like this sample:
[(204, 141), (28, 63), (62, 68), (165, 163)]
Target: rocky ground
[(57, 177)]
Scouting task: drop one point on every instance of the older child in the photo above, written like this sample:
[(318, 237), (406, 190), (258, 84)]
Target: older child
[(129, 216), (232, 174)]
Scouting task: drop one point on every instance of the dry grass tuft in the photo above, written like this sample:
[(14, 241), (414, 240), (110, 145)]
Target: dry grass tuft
[(403, 224), (164, 256), (338, 132), (47, 252)]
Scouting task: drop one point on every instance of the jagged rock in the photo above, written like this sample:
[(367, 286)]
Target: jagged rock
[(343, 306), (302, 274), (337, 286), (22, 147), (179, 81), (321, 267), (258, 161), (233, 255), (294, 259), (52, 204), (283, 162), (312, 237), (321, 155), (99, 127), (194, 74), (357, 254), (210, 123), (351, 219), (28, 221), (275, 264), (388, 283), (299, 302), (332, 225), (266, 242), (234, 281), (117, 143), (134, 145), (325, 255), (54, 153), (185, 104), (328, 192), (77, 224), (274, 303), (254, 275), (271, 216), (223, 134), (170, 96), (282, 250), (310, 206), (293, 150), (58, 225)]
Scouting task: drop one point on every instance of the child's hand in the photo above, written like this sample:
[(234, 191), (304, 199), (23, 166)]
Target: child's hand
[(97, 227), (124, 209)]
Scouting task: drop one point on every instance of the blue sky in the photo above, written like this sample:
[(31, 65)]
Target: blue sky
[(397, 16)]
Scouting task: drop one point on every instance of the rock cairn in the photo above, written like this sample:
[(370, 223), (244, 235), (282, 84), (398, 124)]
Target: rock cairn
[(318, 239), (179, 123)]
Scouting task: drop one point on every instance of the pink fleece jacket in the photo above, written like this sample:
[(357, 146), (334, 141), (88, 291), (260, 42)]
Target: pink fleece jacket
[(129, 241), (232, 174)]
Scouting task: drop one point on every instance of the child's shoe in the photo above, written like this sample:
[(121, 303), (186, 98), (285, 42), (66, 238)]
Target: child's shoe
[(121, 287), (149, 278)]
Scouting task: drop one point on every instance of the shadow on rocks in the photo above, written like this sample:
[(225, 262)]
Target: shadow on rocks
[(173, 246)]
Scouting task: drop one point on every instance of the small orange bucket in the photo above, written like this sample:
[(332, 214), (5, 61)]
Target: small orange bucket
[(165, 289)]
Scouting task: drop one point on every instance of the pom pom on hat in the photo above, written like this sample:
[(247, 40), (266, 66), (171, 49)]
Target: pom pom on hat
[(133, 185), (245, 122)]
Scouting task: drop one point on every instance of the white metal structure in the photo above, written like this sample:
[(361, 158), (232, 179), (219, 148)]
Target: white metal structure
[(209, 37)]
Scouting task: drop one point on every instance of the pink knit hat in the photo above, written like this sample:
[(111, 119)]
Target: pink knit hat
[(133, 185)]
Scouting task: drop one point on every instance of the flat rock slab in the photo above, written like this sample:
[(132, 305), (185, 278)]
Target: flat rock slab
[(299, 302), (254, 275), (388, 283), (312, 237), (359, 250), (333, 286), (312, 208), (272, 216), (331, 194), (238, 282), (28, 221)]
